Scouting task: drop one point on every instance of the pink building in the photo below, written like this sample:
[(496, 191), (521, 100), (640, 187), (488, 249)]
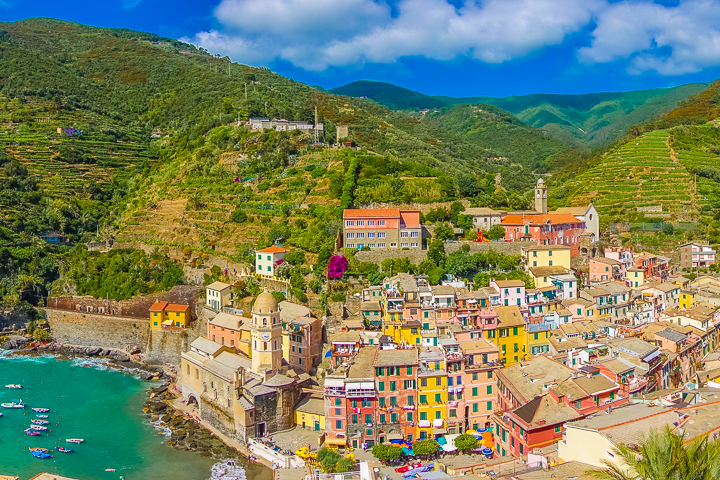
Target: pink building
[(602, 269), (548, 229), (480, 392), (512, 292)]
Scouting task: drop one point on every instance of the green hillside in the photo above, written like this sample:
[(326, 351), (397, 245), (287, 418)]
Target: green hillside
[(584, 121), (392, 96), (162, 158)]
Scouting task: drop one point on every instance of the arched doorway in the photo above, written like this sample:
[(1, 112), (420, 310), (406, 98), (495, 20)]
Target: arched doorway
[(192, 401)]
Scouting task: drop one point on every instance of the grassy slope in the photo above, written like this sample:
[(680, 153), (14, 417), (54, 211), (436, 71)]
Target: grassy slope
[(604, 117)]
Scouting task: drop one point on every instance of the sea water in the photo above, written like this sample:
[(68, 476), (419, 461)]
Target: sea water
[(103, 406)]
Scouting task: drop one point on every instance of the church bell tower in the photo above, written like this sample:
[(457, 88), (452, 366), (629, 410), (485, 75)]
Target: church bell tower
[(266, 333), (541, 197)]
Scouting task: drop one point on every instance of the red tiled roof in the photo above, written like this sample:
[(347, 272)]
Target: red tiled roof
[(371, 212), (274, 249), (173, 307), (411, 218), (158, 306), (549, 219)]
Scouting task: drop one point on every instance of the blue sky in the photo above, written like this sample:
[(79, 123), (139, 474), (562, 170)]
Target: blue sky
[(439, 47)]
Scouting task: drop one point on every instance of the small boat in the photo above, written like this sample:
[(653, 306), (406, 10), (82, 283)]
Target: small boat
[(39, 428), (32, 432), (40, 455), (109, 469), (38, 449), (13, 386), (39, 422), (41, 416), (41, 410), (74, 440), (13, 405), (64, 450)]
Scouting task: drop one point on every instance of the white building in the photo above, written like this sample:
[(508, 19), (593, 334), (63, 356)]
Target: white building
[(585, 214), (267, 258), (484, 218)]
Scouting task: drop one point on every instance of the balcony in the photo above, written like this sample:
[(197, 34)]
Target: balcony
[(393, 294), (394, 307), (334, 391), (344, 352), (360, 392)]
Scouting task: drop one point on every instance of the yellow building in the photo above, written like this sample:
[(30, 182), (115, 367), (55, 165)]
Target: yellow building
[(403, 332), (510, 335), (432, 393), (636, 276), (538, 335), (164, 314), (310, 413), (688, 299), (546, 256)]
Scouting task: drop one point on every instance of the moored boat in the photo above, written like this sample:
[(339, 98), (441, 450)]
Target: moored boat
[(39, 422), (32, 432), (64, 450), (41, 410), (13, 404), (41, 416), (38, 449), (40, 455), (39, 428), (14, 386), (74, 440)]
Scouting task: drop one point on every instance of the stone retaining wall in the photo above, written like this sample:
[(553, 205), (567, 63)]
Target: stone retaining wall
[(417, 256)]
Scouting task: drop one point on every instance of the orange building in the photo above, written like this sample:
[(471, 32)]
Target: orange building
[(548, 229), (381, 228)]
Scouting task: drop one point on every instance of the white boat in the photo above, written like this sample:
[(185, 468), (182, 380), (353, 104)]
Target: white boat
[(14, 387), (13, 405), (41, 410), (36, 421), (39, 428), (74, 440)]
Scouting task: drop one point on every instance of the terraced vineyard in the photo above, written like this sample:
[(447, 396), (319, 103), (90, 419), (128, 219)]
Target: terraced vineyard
[(641, 173), (29, 131), (191, 209)]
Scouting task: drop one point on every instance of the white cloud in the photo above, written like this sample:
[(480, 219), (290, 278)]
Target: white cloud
[(317, 34), (668, 40), (129, 4)]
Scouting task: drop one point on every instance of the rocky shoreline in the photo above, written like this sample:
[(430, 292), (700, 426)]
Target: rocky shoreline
[(185, 433)]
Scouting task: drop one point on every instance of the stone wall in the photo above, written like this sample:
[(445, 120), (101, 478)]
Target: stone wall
[(417, 256), (90, 329), (79, 328), (136, 307), (353, 305)]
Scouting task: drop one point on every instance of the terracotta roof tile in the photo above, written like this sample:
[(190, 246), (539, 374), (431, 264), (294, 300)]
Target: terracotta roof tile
[(274, 249), (158, 306), (371, 212)]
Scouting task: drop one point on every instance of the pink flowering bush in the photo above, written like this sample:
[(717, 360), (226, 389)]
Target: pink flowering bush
[(337, 266)]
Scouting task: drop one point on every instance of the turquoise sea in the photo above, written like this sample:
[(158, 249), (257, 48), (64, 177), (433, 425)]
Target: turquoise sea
[(103, 406)]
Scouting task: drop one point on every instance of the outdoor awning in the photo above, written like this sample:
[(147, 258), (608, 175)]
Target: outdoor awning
[(424, 423), (652, 356), (439, 431), (335, 441), (438, 422), (167, 322), (394, 436)]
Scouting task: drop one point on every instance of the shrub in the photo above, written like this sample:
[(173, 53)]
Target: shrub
[(238, 216), (264, 186), (337, 266), (386, 453), (42, 335), (465, 442)]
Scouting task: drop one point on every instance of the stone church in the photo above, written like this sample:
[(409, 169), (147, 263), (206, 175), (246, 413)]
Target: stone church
[(244, 397)]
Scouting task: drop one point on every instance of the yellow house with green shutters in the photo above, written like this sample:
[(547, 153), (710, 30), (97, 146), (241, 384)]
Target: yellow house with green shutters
[(688, 299), (510, 335), (310, 413), (164, 315), (546, 256), (636, 276), (407, 333), (432, 393)]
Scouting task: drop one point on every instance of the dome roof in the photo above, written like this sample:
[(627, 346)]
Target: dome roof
[(540, 181), (265, 303)]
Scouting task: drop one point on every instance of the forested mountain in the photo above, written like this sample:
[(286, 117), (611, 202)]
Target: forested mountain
[(583, 121)]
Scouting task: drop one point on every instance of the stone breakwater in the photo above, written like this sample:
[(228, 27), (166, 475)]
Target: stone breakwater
[(184, 432)]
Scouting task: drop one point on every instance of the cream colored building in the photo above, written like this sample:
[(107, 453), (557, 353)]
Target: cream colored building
[(266, 333), (546, 256), (217, 295)]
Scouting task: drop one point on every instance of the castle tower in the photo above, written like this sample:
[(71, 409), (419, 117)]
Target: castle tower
[(541, 197), (266, 333)]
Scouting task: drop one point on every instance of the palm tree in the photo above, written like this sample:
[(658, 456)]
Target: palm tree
[(664, 455)]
